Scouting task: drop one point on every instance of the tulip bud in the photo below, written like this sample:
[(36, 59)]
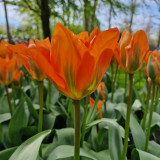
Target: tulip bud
[(102, 90)]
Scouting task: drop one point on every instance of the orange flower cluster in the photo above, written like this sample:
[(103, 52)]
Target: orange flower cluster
[(75, 64), (9, 65)]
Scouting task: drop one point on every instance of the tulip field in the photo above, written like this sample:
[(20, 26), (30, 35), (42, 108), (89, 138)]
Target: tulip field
[(80, 96)]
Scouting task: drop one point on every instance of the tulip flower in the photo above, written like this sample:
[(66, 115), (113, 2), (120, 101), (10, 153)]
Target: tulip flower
[(153, 66), (102, 90), (75, 68), (26, 52), (130, 53), (99, 106)]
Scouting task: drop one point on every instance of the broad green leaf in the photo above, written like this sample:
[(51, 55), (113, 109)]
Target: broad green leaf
[(115, 141), (31, 108), (141, 155), (5, 117), (66, 151), (136, 130), (19, 120), (154, 148), (5, 154), (30, 148)]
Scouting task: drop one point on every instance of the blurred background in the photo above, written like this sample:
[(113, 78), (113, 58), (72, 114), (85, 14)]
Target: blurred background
[(21, 20)]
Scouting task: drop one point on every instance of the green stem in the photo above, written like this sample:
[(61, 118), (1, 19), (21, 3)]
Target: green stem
[(49, 94), (77, 129), (105, 108), (157, 96), (150, 118), (40, 121), (128, 117), (84, 121), (125, 83), (9, 100), (146, 107), (112, 82)]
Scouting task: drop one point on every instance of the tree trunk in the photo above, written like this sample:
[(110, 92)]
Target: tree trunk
[(7, 23), (132, 13), (110, 17), (45, 15), (158, 44), (86, 18), (93, 15)]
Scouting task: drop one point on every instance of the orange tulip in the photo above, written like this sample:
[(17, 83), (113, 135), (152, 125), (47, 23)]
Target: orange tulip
[(8, 68), (131, 51), (99, 106), (146, 62), (5, 52), (27, 54), (101, 89), (75, 67), (153, 66)]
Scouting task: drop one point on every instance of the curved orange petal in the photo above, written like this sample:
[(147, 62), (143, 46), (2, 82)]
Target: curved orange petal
[(124, 41), (136, 51), (104, 40), (84, 74), (66, 53)]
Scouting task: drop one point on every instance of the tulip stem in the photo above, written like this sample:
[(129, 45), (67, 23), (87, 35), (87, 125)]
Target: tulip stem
[(84, 121), (125, 84), (40, 121), (157, 96), (112, 82), (77, 129), (49, 94), (128, 117), (9, 100), (146, 107), (150, 117)]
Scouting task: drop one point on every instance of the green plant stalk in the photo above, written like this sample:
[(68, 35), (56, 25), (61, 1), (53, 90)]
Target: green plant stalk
[(146, 107), (128, 117), (157, 97), (150, 117), (125, 84), (84, 121), (9, 100), (77, 129), (112, 82), (40, 120), (49, 94)]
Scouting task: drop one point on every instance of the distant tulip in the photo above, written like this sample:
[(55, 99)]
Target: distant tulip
[(77, 63), (131, 51), (153, 66), (102, 90), (28, 52)]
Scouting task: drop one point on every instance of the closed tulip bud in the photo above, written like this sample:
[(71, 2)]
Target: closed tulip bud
[(102, 90)]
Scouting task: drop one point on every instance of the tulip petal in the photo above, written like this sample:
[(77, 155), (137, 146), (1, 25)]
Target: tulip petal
[(66, 53), (124, 41), (84, 74), (106, 39)]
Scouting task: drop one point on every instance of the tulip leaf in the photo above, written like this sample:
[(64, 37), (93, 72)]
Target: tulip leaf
[(115, 141), (5, 117), (141, 155), (30, 148), (68, 151), (154, 148), (31, 108), (5, 154), (18, 122), (138, 134)]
